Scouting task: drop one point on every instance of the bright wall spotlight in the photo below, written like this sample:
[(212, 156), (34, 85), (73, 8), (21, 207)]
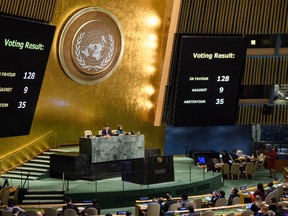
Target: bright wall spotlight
[(149, 90), (153, 21)]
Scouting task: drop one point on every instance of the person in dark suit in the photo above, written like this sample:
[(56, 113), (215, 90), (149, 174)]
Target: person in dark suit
[(69, 205), (234, 193), (169, 201), (106, 131), (95, 204)]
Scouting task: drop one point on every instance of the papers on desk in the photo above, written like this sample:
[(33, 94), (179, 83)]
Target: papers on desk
[(208, 198), (239, 210)]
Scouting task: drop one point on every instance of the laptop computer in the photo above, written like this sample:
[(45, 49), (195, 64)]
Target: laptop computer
[(248, 206)]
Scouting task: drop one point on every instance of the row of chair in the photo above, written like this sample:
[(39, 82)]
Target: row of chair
[(212, 213), (250, 169), (50, 211), (154, 208)]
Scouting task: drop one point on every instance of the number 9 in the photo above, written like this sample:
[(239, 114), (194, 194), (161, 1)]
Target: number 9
[(25, 89), (221, 89)]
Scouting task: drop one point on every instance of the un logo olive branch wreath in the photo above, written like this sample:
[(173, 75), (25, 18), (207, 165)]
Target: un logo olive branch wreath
[(81, 60)]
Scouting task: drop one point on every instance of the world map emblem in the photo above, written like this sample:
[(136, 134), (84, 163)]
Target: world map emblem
[(91, 46)]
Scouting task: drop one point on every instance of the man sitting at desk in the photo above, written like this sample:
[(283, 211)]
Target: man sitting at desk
[(169, 201), (69, 205), (106, 132)]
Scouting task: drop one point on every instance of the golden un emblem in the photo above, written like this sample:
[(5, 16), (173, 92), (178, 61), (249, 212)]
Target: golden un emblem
[(91, 45)]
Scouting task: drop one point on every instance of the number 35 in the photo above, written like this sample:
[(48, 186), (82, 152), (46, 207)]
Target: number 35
[(21, 105), (219, 101)]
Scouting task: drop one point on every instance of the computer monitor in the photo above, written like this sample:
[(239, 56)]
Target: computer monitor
[(201, 160), (88, 133)]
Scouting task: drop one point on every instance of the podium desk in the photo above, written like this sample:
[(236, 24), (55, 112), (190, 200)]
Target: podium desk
[(103, 149)]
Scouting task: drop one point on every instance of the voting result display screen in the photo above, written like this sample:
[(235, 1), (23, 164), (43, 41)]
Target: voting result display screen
[(25, 47), (206, 80)]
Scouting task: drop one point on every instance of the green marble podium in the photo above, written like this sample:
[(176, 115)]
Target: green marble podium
[(103, 149)]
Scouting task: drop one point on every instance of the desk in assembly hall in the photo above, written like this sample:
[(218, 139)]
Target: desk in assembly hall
[(103, 149), (141, 205), (221, 210), (245, 195)]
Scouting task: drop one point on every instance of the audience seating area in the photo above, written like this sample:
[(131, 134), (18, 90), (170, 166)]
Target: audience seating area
[(239, 205), (148, 207)]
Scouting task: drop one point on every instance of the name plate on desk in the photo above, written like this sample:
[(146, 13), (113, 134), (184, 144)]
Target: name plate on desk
[(103, 149)]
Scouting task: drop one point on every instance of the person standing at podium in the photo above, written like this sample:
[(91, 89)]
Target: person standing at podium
[(106, 132)]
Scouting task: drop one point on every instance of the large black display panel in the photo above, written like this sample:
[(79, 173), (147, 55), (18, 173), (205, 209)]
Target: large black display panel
[(208, 77), (25, 47)]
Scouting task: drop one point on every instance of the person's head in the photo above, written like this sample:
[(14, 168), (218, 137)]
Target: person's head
[(107, 127), (95, 202), (168, 196), (68, 200), (270, 184), (184, 197), (224, 152), (221, 194), (260, 187), (160, 200), (119, 126), (235, 190), (190, 208), (128, 213), (263, 208), (274, 148)]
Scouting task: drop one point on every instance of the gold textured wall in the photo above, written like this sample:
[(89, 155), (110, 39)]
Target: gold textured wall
[(128, 96)]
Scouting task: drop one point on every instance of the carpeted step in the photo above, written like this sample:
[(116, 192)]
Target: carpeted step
[(44, 157), (40, 161), (25, 173), (43, 196), (32, 169), (43, 166), (45, 191), (42, 201), (14, 176)]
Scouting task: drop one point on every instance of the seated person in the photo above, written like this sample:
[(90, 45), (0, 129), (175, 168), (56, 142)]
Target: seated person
[(128, 213), (169, 201), (69, 205), (95, 204), (217, 195), (273, 206), (260, 191), (119, 129), (12, 206), (192, 212), (212, 164), (270, 188), (106, 131), (184, 200), (256, 205), (263, 210), (159, 201), (234, 193)]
